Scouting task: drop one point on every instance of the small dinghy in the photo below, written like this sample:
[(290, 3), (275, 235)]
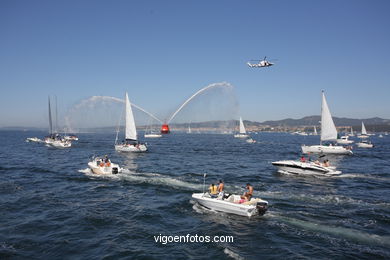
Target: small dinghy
[(104, 165), (305, 168), (232, 204), (33, 139), (250, 141)]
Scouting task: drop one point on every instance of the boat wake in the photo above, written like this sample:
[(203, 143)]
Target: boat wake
[(146, 178), (334, 231)]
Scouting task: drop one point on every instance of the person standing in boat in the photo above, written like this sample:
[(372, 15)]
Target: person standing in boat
[(221, 186), (248, 195)]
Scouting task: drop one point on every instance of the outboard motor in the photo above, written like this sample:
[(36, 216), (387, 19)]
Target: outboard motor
[(262, 207), (114, 170)]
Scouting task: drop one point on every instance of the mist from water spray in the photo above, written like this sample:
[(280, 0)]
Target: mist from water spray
[(214, 85), (90, 102)]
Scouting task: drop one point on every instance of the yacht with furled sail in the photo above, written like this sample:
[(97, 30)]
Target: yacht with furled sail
[(131, 143), (54, 139), (242, 133), (328, 133)]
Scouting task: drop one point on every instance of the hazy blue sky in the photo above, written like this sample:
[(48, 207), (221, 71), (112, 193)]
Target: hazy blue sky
[(161, 52)]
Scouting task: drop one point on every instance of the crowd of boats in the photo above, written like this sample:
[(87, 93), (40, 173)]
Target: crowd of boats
[(244, 205)]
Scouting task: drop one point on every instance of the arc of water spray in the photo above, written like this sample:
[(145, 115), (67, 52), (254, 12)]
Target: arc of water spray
[(108, 98), (214, 85)]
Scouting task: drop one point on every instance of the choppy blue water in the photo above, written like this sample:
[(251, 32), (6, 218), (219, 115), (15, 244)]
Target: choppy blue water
[(52, 207)]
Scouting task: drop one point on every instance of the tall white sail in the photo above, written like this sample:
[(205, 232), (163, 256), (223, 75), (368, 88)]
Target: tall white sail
[(242, 127), (131, 131), (364, 131), (351, 131), (328, 129), (315, 131)]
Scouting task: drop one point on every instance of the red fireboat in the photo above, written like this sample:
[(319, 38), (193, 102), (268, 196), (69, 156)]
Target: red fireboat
[(165, 129)]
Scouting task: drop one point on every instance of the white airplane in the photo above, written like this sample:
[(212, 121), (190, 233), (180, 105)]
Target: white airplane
[(260, 64)]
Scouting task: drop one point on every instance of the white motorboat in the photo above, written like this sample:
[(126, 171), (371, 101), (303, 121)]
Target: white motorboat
[(242, 133), (380, 136), (305, 168), (33, 139), (344, 140), (131, 144), (103, 166), (328, 133), (364, 134), (301, 133), (232, 204), (365, 144)]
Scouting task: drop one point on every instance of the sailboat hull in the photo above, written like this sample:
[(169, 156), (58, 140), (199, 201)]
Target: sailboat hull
[(326, 149), (241, 136), (139, 148)]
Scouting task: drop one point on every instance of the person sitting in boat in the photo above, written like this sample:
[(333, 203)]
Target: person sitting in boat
[(326, 163), (213, 190), (317, 162), (303, 159), (107, 161), (248, 195)]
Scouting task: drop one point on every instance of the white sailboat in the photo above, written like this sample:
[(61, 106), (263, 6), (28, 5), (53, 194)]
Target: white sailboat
[(364, 132), (131, 143), (328, 133), (364, 143), (351, 134), (315, 131), (189, 130), (242, 133)]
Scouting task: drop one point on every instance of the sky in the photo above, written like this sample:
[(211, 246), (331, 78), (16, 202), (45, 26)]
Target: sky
[(162, 52)]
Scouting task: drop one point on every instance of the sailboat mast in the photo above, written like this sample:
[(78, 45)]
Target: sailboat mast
[(56, 115), (50, 122)]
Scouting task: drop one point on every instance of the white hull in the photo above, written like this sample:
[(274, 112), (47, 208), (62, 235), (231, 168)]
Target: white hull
[(139, 148), (152, 135), (231, 204), (101, 168), (61, 144), (344, 140), (304, 168), (365, 145), (325, 149), (362, 136), (71, 138), (241, 136)]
